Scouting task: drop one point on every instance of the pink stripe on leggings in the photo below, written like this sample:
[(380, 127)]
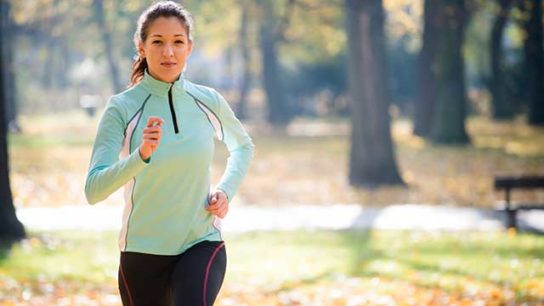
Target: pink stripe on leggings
[(126, 285), (208, 271)]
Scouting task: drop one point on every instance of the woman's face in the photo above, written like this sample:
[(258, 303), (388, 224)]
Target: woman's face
[(166, 48)]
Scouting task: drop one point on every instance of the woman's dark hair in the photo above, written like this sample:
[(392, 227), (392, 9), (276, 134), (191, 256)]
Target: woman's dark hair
[(159, 9)]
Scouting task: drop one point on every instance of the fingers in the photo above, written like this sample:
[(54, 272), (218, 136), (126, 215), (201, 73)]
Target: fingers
[(154, 132), (220, 209), (218, 204), (213, 199), (154, 121), (151, 135), (216, 196)]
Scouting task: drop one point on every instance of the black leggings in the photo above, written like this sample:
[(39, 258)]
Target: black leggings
[(192, 278)]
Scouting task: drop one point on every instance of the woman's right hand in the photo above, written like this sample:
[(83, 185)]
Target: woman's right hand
[(151, 136)]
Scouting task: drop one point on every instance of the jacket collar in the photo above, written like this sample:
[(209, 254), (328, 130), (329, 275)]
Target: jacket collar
[(161, 88)]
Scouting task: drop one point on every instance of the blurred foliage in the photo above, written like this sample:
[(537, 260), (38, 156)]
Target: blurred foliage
[(315, 33), (55, 40), (404, 22), (61, 56)]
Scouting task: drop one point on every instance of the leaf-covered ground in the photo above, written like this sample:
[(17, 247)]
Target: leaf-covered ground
[(306, 165), (300, 268)]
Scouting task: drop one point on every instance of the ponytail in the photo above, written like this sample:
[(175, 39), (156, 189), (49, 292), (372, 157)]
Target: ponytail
[(138, 70)]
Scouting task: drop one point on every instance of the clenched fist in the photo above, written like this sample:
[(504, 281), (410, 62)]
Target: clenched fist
[(218, 204), (151, 136)]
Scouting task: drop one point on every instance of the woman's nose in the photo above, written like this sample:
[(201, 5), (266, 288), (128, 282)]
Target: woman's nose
[(168, 50)]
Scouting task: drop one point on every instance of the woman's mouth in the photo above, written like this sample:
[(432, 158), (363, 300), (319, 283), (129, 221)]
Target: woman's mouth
[(168, 64)]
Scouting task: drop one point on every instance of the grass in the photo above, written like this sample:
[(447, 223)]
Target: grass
[(306, 165), (280, 268)]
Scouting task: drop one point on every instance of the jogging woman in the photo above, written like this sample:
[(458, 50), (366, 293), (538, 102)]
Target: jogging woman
[(157, 140)]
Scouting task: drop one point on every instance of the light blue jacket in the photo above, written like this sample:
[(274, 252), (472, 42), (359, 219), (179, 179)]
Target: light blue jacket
[(165, 196)]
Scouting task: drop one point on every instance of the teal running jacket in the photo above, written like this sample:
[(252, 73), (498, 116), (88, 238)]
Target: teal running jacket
[(166, 195)]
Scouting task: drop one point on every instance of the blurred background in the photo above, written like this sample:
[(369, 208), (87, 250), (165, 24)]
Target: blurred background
[(379, 126)]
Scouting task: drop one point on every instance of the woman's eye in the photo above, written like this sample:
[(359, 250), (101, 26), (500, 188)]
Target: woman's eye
[(180, 42), (157, 42)]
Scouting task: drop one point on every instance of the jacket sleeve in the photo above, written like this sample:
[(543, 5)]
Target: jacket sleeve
[(106, 172), (240, 147)]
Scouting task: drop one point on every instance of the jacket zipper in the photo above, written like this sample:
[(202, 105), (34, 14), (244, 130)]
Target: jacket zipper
[(172, 110)]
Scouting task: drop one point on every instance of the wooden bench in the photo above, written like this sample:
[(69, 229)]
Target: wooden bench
[(509, 183)]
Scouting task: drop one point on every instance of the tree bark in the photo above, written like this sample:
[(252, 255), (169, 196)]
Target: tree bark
[(98, 7), (274, 89), (502, 107), (448, 124), (271, 33), (424, 106), (11, 229), (534, 61), (278, 114), (246, 61), (8, 43), (372, 161)]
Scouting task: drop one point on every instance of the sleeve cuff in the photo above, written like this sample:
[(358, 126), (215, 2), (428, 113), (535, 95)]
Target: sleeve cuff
[(225, 192), (228, 194), (141, 158), (135, 159)]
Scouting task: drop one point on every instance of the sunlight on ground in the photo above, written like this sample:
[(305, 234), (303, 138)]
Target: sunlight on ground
[(300, 268)]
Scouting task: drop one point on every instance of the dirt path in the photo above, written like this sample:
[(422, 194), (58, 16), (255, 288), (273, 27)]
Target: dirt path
[(248, 218)]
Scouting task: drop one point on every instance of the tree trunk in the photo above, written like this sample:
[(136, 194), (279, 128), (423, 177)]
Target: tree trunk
[(11, 229), (372, 161), (448, 125), (246, 62), (278, 114), (424, 106), (8, 43), (534, 58), (502, 107), (98, 7)]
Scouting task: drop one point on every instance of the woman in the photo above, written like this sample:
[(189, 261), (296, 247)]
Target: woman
[(163, 127)]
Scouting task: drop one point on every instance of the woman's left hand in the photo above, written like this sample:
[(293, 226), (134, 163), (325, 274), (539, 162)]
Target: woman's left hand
[(218, 204)]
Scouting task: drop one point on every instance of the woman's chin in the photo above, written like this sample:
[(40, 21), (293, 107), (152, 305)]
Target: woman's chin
[(169, 75)]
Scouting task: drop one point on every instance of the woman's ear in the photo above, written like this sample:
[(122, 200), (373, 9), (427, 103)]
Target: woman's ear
[(190, 48), (141, 51)]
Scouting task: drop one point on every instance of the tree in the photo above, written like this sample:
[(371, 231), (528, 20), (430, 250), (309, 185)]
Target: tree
[(271, 32), (534, 60), (502, 107), (424, 106), (448, 123), (9, 86), (98, 8), (246, 60), (11, 229), (372, 161)]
